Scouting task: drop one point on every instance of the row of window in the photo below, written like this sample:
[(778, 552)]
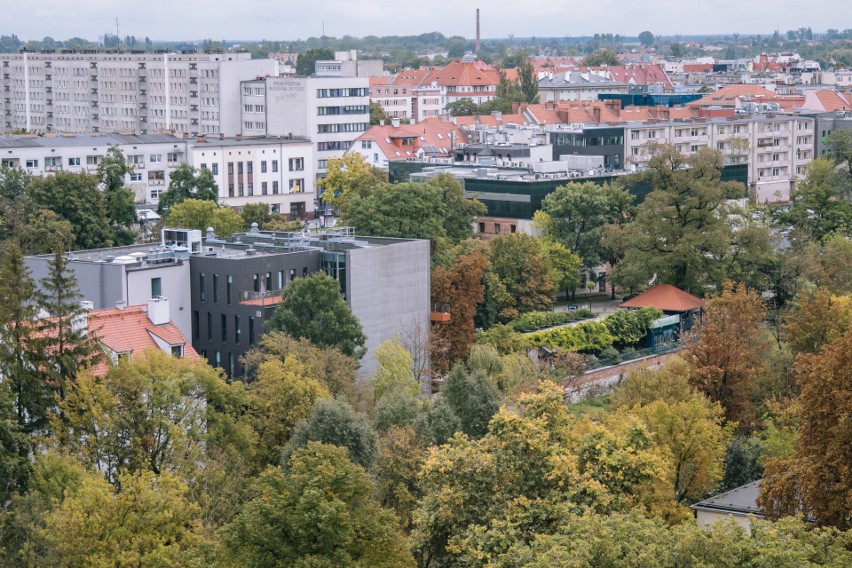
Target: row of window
[(223, 327)]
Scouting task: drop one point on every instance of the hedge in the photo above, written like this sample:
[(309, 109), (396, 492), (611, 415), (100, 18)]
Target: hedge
[(533, 321)]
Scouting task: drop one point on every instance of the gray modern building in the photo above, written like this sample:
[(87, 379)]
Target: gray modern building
[(221, 291)]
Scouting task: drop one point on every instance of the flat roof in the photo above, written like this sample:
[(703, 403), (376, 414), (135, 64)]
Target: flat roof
[(62, 141), (742, 500)]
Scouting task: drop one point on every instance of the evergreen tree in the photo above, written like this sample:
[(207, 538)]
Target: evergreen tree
[(67, 345), (20, 356)]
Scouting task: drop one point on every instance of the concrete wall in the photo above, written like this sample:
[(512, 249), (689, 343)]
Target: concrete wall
[(174, 278), (100, 283), (388, 288)]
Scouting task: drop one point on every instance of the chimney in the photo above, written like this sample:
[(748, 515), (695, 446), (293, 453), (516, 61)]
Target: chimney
[(80, 322), (477, 30), (120, 305), (395, 122), (158, 311), (238, 137), (515, 107), (201, 138)]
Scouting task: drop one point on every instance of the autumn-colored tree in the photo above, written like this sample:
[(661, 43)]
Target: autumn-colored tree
[(348, 176), (394, 374), (282, 396), (819, 319), (726, 351), (400, 458), (817, 478), (460, 287)]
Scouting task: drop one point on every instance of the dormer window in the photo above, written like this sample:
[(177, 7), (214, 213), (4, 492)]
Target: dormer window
[(177, 350)]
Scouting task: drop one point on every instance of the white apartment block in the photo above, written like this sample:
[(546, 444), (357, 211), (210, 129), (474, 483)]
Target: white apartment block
[(778, 146), (184, 93), (331, 111), (153, 157), (276, 171)]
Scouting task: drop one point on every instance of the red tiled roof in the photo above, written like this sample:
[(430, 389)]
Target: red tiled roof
[(640, 74), (433, 131), (826, 101), (665, 297), (130, 330), (730, 94), (460, 73)]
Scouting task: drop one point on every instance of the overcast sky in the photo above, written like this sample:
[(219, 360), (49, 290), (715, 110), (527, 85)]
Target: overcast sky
[(300, 19)]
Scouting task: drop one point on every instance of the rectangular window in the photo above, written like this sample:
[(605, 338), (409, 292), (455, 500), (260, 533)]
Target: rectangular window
[(228, 281), (209, 326), (274, 165), (297, 185), (296, 164), (73, 161), (239, 168), (263, 188), (155, 158), (257, 283), (215, 288), (304, 271), (292, 274), (280, 279), (236, 329), (230, 168), (32, 163), (274, 188), (268, 281), (215, 169), (196, 322), (224, 321), (201, 287), (156, 287), (251, 330), (263, 166)]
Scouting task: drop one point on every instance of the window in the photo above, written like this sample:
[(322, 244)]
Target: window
[(236, 329), (263, 166), (263, 186), (274, 188), (292, 274), (634, 135), (228, 281), (296, 164), (215, 288), (513, 228), (32, 163), (239, 168), (251, 330), (297, 185), (268, 281), (177, 350), (136, 176), (274, 165), (73, 161), (224, 320), (496, 228), (280, 279), (209, 326), (481, 227), (201, 287), (257, 283), (215, 169), (156, 287), (195, 324), (155, 158), (230, 168), (304, 271)]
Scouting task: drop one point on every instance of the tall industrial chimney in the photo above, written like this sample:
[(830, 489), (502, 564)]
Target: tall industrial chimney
[(477, 30)]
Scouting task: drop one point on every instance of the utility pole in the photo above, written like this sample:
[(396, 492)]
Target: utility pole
[(116, 31)]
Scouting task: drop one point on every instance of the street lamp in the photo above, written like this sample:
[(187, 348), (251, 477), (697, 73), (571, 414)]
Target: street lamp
[(591, 286)]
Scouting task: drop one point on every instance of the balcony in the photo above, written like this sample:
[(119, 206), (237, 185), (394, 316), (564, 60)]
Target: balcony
[(269, 298), (440, 313)]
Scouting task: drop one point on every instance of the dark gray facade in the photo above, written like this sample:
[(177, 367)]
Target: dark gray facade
[(605, 141)]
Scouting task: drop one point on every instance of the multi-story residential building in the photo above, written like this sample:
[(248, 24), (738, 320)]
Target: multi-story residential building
[(279, 172), (331, 111), (777, 147), (396, 94), (190, 93), (221, 291), (153, 157), (575, 86), (431, 139), (466, 78)]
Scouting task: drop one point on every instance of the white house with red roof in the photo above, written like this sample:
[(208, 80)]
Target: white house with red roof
[(124, 330), (432, 138), (641, 77)]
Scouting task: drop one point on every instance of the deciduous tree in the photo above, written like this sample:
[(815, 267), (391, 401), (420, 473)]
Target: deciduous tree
[(335, 422), (201, 214), (524, 269), (77, 199), (185, 182)]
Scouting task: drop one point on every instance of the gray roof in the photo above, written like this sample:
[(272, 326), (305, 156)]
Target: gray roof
[(573, 79), (85, 140), (742, 499)]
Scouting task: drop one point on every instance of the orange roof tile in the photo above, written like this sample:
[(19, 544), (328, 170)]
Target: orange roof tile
[(826, 101), (665, 297), (640, 74), (460, 73), (430, 132)]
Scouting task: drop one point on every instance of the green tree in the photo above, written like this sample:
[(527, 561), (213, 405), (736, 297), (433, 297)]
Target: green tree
[(523, 267), (575, 214), (473, 399), (529, 80), (378, 114), (314, 308), (21, 356), (306, 62), (15, 466), (77, 199), (281, 396), (456, 46), (676, 49), (462, 107), (565, 264), (201, 214), (601, 57), (149, 522), (821, 205), (682, 232), (255, 213), (348, 176), (840, 141), (120, 199), (394, 374), (68, 348), (335, 422), (185, 182), (646, 38), (317, 512)]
